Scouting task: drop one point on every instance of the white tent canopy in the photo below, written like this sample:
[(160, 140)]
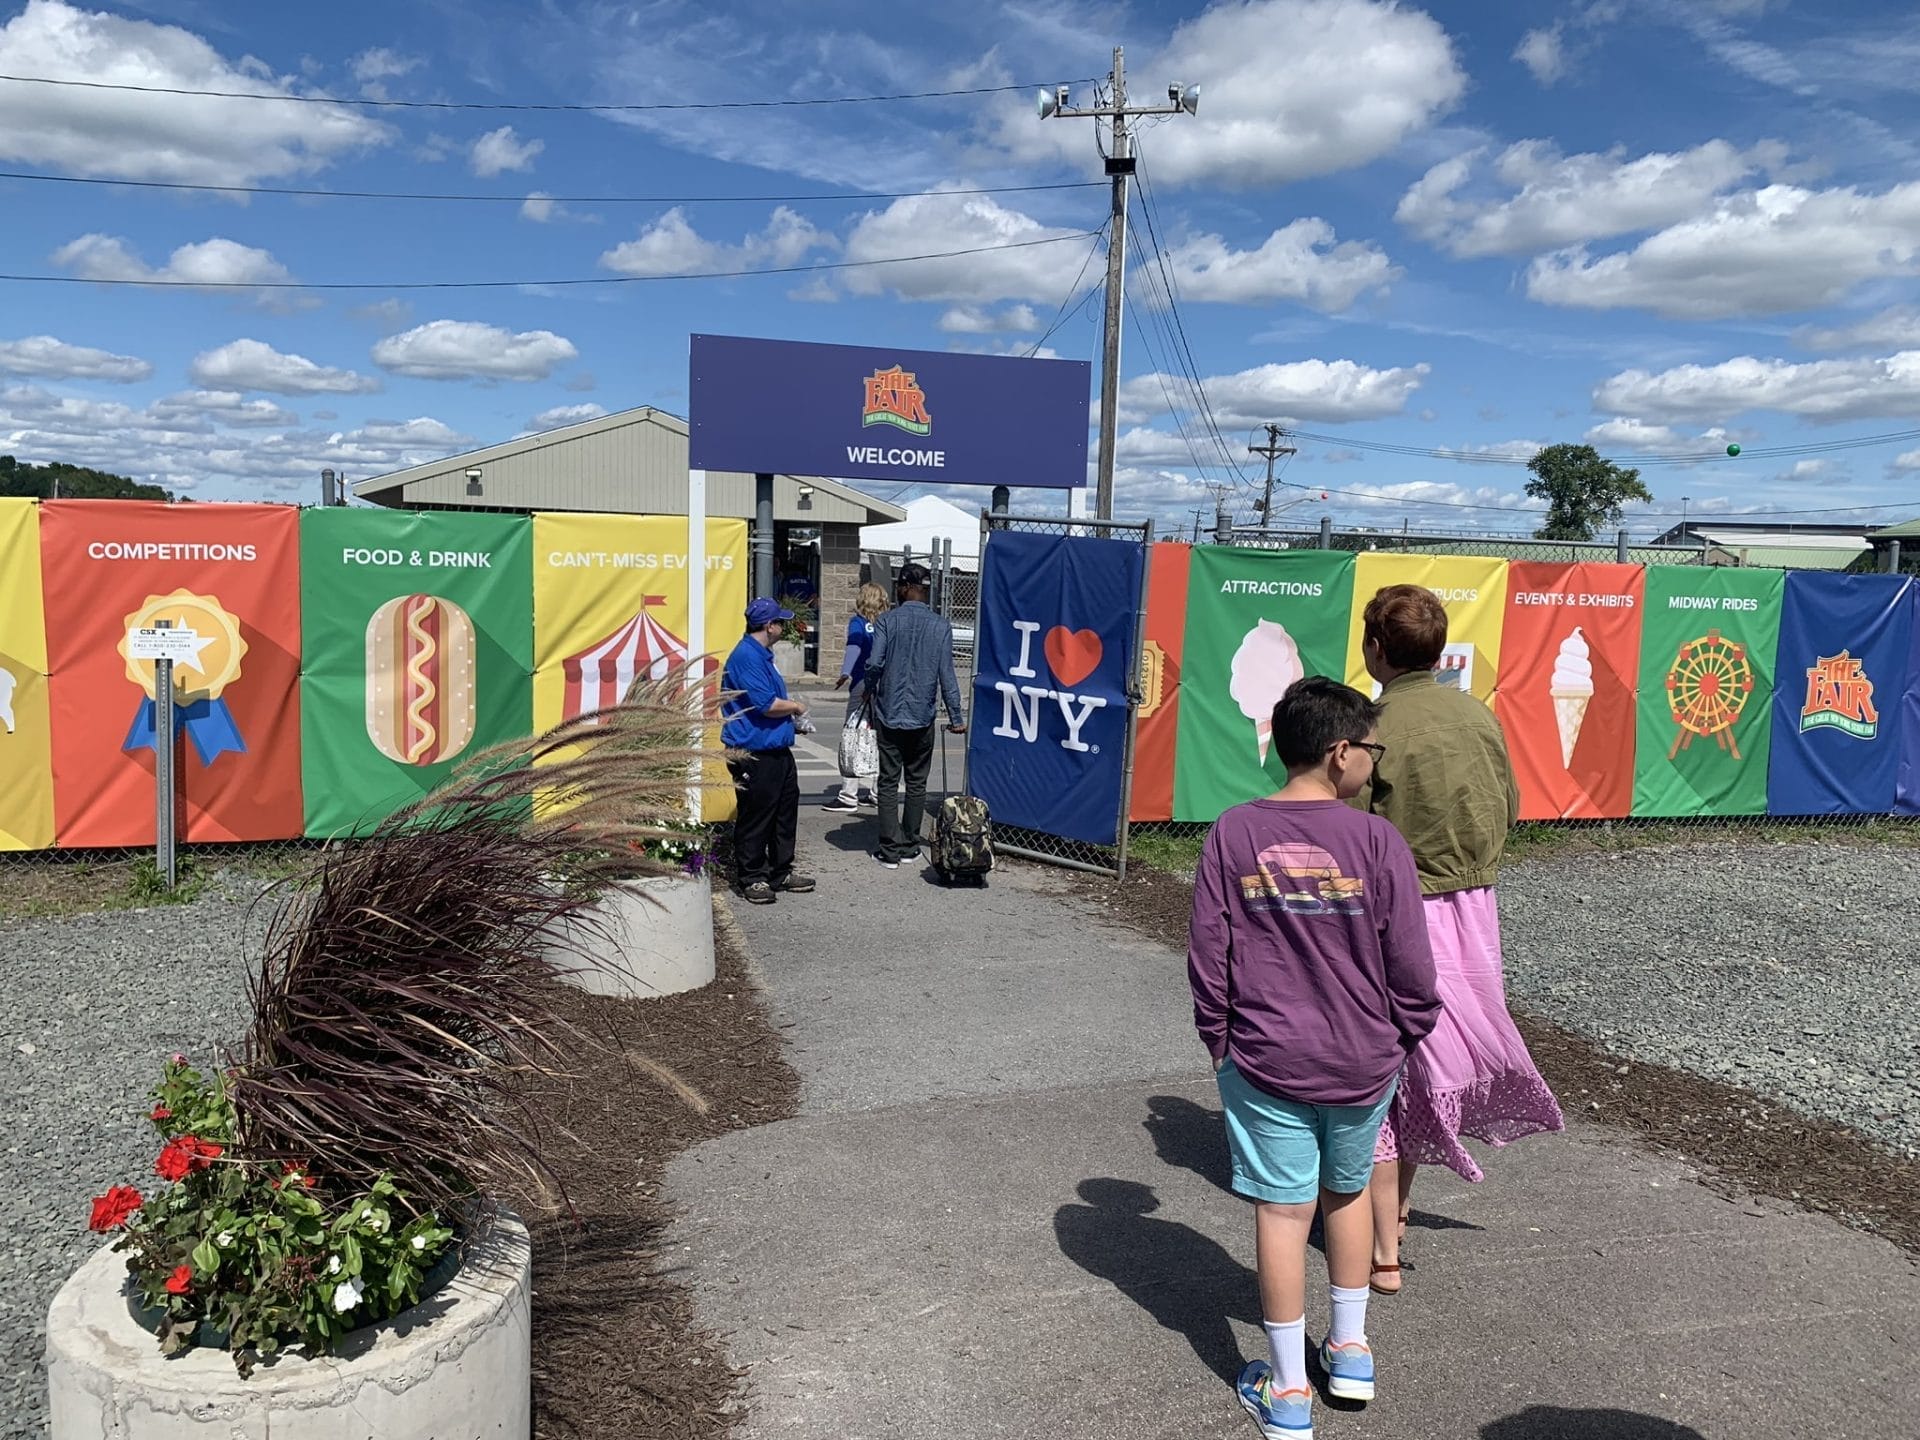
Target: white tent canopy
[(929, 521)]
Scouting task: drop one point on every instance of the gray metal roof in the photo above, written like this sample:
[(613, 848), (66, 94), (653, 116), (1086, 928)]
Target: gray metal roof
[(631, 462)]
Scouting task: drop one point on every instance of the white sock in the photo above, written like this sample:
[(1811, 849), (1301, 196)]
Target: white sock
[(1349, 1315), (1288, 1345)]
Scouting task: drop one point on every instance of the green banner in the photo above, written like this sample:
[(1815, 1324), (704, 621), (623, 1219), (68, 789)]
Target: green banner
[(417, 651), (1257, 620), (1707, 641)]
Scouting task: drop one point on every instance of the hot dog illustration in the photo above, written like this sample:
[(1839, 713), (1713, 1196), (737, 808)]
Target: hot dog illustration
[(420, 679)]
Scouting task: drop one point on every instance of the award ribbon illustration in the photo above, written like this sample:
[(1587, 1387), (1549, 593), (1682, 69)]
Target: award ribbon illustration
[(197, 684)]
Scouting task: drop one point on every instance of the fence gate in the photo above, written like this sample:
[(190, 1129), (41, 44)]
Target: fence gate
[(1056, 688)]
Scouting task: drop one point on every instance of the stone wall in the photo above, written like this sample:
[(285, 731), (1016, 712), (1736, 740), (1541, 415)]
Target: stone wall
[(839, 589)]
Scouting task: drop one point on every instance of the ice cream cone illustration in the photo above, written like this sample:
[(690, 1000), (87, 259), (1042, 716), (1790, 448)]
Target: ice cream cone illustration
[(1572, 690), (1267, 662)]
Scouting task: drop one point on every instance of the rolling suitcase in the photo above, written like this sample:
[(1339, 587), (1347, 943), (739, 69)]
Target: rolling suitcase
[(962, 840)]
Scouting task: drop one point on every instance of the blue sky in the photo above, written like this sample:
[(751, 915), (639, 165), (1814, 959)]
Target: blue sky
[(1659, 225)]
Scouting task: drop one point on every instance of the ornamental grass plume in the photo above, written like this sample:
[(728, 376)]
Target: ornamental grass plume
[(399, 996)]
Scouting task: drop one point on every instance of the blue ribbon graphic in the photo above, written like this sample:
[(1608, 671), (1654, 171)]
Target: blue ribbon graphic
[(208, 723)]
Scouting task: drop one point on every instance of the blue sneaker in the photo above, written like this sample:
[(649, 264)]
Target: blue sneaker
[(1349, 1370), (1287, 1416)]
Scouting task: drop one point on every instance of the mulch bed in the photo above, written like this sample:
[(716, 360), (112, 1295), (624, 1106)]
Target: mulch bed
[(617, 1350), (1745, 1144)]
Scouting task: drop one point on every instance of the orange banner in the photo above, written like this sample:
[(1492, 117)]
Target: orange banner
[(1571, 662), (1161, 650), (230, 574)]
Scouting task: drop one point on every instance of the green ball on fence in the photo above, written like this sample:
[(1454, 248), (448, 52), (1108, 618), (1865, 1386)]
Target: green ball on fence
[(1733, 450)]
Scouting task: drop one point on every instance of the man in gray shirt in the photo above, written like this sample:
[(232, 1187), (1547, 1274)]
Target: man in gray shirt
[(912, 659)]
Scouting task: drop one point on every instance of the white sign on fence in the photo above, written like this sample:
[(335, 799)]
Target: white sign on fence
[(180, 646)]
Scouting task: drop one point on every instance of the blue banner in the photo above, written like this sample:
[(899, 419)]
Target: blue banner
[(1053, 645), (1906, 798), (1839, 681), (903, 416)]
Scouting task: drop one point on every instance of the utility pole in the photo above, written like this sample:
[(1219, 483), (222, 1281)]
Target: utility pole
[(1120, 167), (1201, 510), (1272, 448)]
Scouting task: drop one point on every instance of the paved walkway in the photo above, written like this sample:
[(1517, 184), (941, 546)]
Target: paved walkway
[(1002, 1212)]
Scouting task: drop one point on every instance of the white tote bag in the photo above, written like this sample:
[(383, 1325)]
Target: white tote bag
[(859, 748)]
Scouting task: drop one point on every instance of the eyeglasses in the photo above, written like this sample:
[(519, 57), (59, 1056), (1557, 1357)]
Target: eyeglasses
[(1372, 747)]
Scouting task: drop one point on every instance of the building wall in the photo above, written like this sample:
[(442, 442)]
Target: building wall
[(839, 588)]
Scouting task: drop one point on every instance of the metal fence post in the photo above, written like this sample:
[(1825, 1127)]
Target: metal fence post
[(1893, 557), (1620, 547), (1125, 828), (164, 821), (1326, 532)]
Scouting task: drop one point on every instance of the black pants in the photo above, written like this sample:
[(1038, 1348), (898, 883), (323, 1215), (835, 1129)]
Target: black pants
[(767, 816), (908, 753)]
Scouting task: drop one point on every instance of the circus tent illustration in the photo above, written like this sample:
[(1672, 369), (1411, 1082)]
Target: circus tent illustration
[(600, 675)]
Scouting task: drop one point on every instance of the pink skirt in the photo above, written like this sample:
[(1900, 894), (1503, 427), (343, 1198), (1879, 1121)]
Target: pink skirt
[(1472, 1075)]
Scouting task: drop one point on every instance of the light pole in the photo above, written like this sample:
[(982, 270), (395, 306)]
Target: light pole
[(1120, 166)]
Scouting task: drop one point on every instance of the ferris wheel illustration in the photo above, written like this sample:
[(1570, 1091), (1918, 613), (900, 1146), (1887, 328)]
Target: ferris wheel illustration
[(1708, 686)]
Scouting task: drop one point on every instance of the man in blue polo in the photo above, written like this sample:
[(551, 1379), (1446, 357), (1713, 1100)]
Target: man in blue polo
[(758, 734)]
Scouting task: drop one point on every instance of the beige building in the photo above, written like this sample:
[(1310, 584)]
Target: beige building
[(635, 462)]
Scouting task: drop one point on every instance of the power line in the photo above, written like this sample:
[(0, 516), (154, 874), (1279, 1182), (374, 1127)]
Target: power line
[(519, 105), (533, 284), (792, 199), (1060, 315), (1731, 518), (1476, 457)]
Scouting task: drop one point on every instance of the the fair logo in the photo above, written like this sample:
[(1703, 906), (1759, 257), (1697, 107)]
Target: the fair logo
[(1840, 697), (1072, 655), (894, 397)]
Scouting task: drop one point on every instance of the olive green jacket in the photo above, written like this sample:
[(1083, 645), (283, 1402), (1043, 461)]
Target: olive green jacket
[(1445, 782)]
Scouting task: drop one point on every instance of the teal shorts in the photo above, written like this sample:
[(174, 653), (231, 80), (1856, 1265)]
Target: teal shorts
[(1287, 1152)]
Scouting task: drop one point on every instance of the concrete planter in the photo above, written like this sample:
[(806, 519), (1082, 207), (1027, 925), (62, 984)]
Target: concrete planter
[(637, 947), (455, 1367)]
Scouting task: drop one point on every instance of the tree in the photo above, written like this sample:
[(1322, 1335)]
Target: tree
[(36, 482), (1584, 492)]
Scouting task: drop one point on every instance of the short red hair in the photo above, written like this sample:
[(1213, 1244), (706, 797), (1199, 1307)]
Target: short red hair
[(1409, 624)]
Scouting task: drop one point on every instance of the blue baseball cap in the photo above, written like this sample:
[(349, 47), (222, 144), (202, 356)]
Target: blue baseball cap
[(764, 612)]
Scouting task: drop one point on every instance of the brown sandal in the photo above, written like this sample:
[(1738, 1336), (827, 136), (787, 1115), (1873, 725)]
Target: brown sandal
[(1382, 1270)]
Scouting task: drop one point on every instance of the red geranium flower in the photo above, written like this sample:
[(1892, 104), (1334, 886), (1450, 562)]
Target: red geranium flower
[(184, 1153), (205, 1152), (180, 1281), (112, 1209), (160, 1112)]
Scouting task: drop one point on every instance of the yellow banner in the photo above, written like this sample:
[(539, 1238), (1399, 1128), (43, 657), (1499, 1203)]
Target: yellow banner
[(26, 736), (1475, 594), (610, 606)]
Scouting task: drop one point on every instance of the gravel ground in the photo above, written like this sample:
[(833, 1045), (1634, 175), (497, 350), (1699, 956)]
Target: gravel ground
[(1787, 970), (94, 1004)]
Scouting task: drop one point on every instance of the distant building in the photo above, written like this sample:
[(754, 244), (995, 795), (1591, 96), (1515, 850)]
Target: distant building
[(635, 462)]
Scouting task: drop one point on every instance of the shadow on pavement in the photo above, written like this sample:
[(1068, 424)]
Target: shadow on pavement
[(1549, 1422), (1185, 1281)]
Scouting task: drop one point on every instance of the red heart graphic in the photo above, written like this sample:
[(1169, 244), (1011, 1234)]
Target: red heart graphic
[(1072, 655)]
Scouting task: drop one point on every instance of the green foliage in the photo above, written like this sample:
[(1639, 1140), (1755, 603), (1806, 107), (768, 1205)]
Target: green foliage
[(147, 886), (36, 482), (805, 617), (263, 1250), (1584, 492)]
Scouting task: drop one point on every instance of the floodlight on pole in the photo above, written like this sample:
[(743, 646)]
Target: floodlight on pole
[(1120, 168)]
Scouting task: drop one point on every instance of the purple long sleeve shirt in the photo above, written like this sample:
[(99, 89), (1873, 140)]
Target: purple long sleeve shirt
[(1309, 958)]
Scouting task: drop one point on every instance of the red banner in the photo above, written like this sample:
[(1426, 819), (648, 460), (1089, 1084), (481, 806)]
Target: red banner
[(1165, 639), (230, 574), (1570, 663)]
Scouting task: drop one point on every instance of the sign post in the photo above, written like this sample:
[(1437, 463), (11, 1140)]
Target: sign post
[(163, 644)]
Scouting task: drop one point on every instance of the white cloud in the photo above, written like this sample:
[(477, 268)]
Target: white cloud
[(217, 262), (256, 365), (48, 358), (559, 415), (380, 63), (227, 407), (939, 222), (1542, 53), (1538, 199), (1895, 329), (156, 137), (1312, 390), (1303, 262), (1906, 463), (671, 246), (1290, 89), (421, 431), (542, 209), (1820, 390), (468, 349), (979, 320), (1776, 249), (501, 150), (1144, 446)]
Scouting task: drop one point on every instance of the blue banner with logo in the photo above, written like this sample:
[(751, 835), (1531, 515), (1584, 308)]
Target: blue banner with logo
[(1906, 796), (909, 417), (1053, 647), (1840, 678)]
